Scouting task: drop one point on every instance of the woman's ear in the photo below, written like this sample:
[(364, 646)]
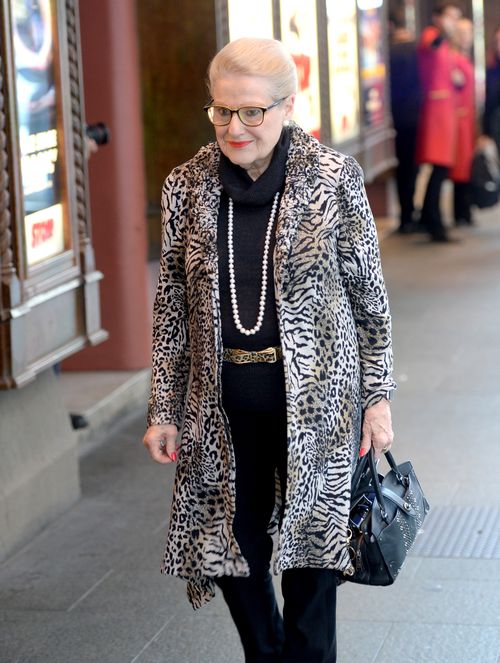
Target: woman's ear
[(289, 107)]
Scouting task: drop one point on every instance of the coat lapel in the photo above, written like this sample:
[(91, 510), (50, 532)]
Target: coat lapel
[(205, 209), (205, 206), (301, 173)]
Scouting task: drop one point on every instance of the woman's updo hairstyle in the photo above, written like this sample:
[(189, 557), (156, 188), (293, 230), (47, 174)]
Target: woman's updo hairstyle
[(267, 58)]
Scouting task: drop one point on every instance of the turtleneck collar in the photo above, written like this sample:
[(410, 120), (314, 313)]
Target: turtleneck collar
[(242, 189)]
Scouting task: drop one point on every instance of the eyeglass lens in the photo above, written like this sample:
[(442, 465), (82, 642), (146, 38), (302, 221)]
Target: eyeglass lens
[(249, 115)]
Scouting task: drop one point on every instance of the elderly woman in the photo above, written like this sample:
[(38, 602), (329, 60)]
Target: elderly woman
[(272, 357)]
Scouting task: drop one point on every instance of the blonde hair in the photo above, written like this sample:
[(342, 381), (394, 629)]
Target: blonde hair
[(266, 58)]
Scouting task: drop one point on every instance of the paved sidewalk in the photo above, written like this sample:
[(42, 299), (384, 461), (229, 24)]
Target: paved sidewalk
[(88, 590)]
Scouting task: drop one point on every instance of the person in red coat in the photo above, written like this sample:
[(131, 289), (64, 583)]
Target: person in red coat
[(436, 135), (466, 124)]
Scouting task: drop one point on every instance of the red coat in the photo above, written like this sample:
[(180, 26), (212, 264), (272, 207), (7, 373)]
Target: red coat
[(436, 134), (466, 130)]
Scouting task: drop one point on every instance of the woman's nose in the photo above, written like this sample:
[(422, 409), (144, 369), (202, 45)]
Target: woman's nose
[(235, 126)]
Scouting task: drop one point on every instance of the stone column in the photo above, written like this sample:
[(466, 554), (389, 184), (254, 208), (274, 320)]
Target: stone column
[(116, 185)]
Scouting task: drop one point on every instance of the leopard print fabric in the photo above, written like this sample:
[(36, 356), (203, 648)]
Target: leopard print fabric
[(335, 334)]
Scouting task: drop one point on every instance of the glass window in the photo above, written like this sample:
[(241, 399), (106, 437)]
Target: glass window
[(34, 31)]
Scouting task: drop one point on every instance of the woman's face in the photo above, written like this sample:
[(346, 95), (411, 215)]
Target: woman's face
[(249, 147), (465, 34), (449, 19)]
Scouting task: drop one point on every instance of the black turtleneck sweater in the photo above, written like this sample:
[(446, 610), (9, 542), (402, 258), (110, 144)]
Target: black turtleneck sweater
[(250, 386)]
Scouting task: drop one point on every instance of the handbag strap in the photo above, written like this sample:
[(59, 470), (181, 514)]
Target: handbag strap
[(393, 465), (362, 463), (402, 504), (358, 472), (376, 485), (369, 459)]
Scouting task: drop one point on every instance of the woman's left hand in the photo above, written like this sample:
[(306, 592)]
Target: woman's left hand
[(377, 428)]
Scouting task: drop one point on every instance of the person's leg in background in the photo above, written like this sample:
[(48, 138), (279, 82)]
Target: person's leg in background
[(462, 203), (406, 177), (431, 209)]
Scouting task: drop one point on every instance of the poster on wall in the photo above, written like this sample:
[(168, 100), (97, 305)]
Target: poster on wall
[(299, 34), (35, 48), (254, 19), (373, 69), (343, 66)]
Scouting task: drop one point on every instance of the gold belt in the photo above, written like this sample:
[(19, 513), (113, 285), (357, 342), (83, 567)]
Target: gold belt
[(268, 356)]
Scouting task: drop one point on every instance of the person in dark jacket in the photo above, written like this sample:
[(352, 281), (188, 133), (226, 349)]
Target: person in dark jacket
[(491, 120), (405, 106)]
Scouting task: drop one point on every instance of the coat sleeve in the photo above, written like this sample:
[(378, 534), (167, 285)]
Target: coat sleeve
[(359, 260), (170, 364)]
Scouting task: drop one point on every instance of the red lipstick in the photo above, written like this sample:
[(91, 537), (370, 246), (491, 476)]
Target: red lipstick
[(238, 144)]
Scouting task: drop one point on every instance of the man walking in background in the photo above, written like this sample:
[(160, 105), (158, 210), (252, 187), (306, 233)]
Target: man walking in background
[(405, 107)]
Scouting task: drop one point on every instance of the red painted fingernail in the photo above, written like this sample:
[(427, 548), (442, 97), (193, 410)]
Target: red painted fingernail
[(362, 452), (173, 455)]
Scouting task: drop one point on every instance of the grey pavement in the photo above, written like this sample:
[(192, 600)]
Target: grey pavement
[(88, 588)]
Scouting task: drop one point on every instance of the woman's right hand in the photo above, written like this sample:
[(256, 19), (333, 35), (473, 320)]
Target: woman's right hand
[(160, 441)]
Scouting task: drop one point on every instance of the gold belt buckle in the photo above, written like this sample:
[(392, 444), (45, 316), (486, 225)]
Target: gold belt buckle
[(237, 356)]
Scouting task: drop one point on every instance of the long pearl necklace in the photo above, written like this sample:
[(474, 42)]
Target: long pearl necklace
[(232, 279)]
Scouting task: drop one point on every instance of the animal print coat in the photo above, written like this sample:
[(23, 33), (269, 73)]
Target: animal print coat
[(335, 333)]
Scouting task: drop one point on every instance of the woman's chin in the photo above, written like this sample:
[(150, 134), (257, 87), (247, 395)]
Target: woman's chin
[(238, 159)]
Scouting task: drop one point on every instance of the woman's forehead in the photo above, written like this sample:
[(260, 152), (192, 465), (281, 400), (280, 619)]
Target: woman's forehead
[(240, 89)]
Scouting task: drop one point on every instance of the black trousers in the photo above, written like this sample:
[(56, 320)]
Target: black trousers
[(406, 173), (431, 209), (306, 631), (462, 200)]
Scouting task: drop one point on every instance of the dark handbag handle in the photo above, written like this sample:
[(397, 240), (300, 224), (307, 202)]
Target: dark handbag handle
[(369, 459), (358, 472), (361, 467), (376, 483)]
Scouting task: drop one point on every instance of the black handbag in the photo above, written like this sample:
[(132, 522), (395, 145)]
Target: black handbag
[(485, 188), (387, 512)]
